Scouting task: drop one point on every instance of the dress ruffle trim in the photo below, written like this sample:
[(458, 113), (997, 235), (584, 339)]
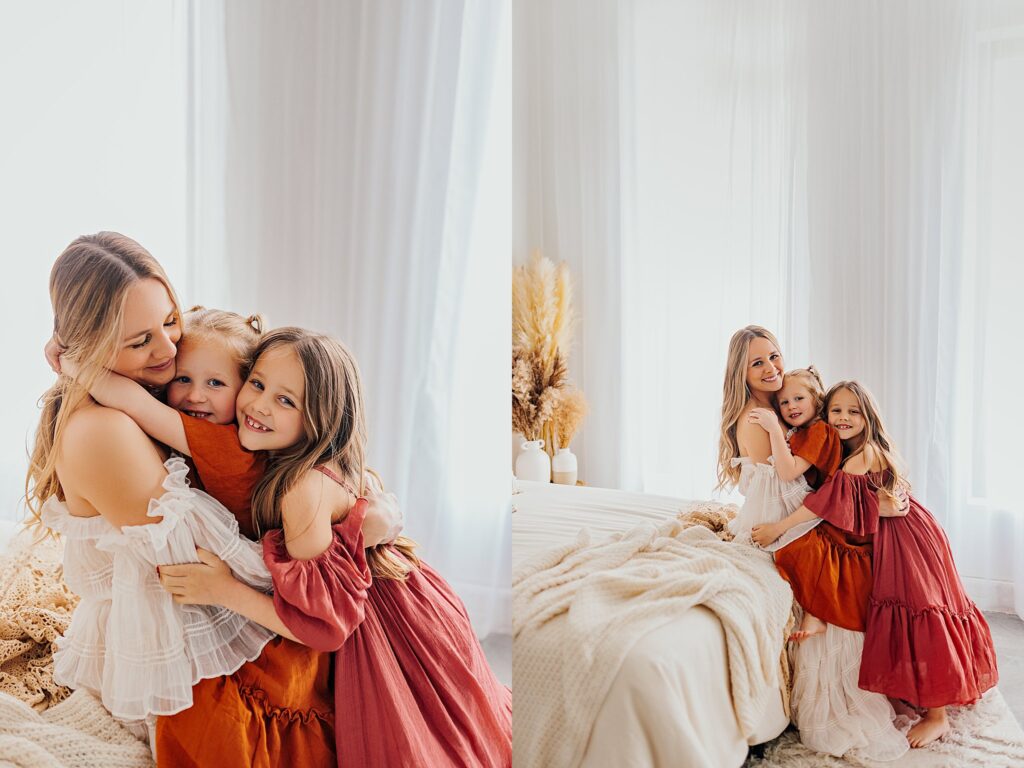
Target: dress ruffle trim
[(286, 714), (934, 656)]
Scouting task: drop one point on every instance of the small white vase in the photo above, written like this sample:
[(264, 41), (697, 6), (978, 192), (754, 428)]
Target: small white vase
[(533, 463), (564, 467)]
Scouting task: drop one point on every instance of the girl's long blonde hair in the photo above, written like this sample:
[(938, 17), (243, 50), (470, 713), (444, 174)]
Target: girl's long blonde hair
[(335, 427), (89, 286), (874, 434), (239, 333), (735, 396)]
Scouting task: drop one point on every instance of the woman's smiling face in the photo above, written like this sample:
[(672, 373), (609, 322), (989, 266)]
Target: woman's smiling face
[(151, 332), (764, 366)]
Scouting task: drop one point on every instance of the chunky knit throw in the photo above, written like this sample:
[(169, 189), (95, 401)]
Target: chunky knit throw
[(578, 609), (35, 609)]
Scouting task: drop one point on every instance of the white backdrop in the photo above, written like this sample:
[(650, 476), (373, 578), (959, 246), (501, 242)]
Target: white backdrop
[(351, 176), (342, 166), (826, 169), (92, 138)]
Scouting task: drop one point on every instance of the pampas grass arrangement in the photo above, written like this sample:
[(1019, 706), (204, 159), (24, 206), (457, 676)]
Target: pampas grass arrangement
[(544, 406)]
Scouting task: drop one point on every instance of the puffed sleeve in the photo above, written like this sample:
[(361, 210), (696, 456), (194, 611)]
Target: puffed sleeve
[(322, 600), (848, 502), (821, 445)]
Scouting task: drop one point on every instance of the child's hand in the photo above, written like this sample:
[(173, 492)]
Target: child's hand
[(766, 533), (52, 352), (764, 418), (202, 583), (68, 367)]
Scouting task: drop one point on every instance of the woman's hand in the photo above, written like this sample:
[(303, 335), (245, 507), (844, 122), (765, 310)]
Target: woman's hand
[(765, 418), (898, 507), (204, 583), (52, 351), (766, 533), (383, 521)]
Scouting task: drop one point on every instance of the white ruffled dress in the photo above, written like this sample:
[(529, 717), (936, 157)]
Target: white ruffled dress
[(833, 714), (767, 498), (128, 641)]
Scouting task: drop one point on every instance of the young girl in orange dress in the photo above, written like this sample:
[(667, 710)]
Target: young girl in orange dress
[(809, 448), (411, 685), (925, 643)]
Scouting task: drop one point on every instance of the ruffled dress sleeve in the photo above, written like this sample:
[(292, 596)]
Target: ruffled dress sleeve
[(128, 640), (849, 502), (322, 600), (821, 445)]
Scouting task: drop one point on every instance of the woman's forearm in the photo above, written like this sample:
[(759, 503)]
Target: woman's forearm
[(255, 605), (801, 515)]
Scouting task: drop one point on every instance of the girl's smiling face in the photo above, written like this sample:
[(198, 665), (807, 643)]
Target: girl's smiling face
[(844, 413), (206, 382), (151, 332), (764, 366), (796, 403), (269, 405)]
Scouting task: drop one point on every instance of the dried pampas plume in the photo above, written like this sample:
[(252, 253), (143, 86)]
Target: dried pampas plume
[(543, 403), (572, 408)]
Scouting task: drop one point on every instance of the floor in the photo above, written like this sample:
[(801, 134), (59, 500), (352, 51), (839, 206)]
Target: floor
[(499, 653), (1008, 635)]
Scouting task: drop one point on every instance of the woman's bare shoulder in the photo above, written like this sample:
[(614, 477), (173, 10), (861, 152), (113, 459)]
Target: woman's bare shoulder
[(753, 440), (107, 441)]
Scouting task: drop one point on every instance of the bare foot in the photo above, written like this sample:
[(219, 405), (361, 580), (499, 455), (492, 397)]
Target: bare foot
[(810, 626), (933, 726)]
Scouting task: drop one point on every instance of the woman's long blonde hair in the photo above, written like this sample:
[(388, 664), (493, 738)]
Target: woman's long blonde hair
[(874, 434), (89, 286), (335, 427), (735, 396)]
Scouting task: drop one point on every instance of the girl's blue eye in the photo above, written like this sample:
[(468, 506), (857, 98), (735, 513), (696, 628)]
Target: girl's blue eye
[(215, 383), (256, 384), (182, 380), (287, 402)]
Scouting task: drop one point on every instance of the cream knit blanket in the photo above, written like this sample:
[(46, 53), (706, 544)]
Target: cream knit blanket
[(76, 733), (35, 609), (578, 610)]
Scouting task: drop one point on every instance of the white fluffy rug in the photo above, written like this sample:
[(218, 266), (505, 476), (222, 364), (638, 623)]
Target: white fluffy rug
[(986, 735)]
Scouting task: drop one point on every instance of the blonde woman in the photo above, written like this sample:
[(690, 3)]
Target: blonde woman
[(115, 309), (833, 715), (753, 375)]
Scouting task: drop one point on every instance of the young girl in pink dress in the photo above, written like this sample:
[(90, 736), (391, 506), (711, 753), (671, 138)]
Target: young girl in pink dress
[(412, 686), (926, 642)]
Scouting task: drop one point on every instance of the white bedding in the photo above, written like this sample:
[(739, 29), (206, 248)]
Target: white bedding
[(670, 703)]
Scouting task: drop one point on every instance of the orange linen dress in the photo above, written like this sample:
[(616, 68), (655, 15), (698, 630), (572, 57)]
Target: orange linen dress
[(829, 569), (277, 710)]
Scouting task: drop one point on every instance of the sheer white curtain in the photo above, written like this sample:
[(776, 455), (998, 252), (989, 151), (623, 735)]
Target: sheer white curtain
[(802, 165), (338, 153), (93, 138)]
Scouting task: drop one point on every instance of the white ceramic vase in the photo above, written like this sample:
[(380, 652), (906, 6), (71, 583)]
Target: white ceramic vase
[(564, 467), (533, 463)]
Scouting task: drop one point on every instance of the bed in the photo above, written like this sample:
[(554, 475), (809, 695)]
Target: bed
[(670, 701)]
